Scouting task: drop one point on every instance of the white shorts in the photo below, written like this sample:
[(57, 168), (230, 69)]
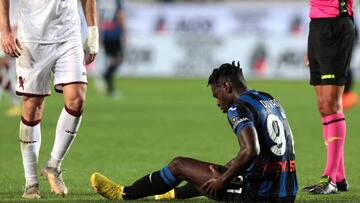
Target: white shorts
[(38, 63)]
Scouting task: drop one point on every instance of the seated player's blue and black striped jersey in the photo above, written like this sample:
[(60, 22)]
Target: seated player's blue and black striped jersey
[(272, 173)]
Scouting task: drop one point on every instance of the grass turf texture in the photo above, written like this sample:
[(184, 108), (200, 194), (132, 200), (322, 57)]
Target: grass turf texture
[(159, 119)]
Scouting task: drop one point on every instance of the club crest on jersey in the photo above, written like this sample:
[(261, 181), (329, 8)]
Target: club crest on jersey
[(21, 82), (236, 121)]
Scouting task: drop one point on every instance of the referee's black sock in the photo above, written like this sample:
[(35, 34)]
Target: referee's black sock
[(155, 183)]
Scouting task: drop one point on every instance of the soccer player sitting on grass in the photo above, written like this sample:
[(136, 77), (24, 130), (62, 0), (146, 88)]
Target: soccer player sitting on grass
[(263, 169)]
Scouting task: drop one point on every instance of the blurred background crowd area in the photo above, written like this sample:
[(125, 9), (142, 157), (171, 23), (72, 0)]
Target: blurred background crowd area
[(188, 38), (202, 1)]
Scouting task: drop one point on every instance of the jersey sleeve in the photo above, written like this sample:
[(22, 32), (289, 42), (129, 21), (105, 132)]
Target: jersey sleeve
[(240, 117)]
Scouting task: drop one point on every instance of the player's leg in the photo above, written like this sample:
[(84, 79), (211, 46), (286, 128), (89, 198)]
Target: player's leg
[(33, 70), (69, 78), (7, 83), (329, 57), (329, 99), (14, 110), (335, 62), (3, 78), (9, 75), (333, 120), (113, 49), (334, 130), (68, 122), (179, 169), (30, 141), (184, 192), (349, 98), (66, 130), (334, 127), (341, 182)]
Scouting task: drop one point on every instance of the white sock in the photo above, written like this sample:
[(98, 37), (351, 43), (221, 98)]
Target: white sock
[(30, 141), (66, 130)]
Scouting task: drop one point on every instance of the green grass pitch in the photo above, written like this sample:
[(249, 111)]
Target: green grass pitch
[(159, 119)]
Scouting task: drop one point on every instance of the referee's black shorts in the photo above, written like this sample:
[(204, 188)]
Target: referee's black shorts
[(330, 45)]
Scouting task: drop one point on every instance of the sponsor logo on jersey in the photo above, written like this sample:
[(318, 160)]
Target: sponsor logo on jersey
[(232, 108), (281, 166), (233, 119)]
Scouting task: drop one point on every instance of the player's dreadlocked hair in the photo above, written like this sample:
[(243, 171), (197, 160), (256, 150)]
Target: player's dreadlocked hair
[(228, 73)]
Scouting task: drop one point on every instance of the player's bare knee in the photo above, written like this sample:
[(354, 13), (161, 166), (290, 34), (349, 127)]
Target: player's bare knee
[(76, 104), (32, 108), (32, 113), (176, 165), (329, 108)]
